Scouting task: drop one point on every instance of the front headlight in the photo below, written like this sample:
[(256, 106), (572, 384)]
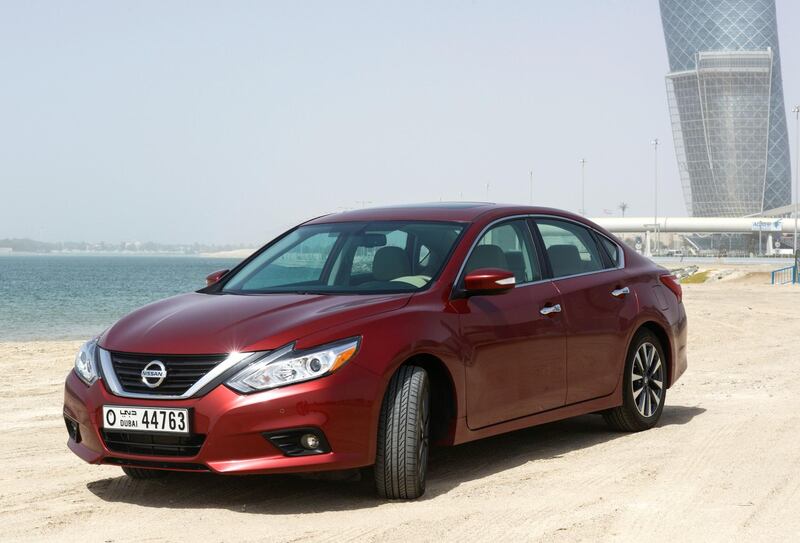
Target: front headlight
[(85, 364), (288, 368)]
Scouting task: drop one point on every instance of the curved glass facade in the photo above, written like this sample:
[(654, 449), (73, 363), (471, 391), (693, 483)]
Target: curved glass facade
[(726, 105)]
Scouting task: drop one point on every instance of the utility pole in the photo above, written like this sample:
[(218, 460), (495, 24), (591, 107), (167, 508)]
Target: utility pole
[(487, 192), (654, 143), (623, 206), (531, 198), (582, 162)]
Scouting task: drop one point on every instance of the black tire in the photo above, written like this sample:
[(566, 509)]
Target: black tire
[(632, 415), (139, 473), (403, 436)]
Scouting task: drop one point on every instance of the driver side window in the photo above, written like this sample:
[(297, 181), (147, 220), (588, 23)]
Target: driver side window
[(507, 246)]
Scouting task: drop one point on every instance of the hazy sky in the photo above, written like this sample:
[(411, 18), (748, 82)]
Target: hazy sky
[(227, 122)]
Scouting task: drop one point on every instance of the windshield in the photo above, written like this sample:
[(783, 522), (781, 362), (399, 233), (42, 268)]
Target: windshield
[(352, 258)]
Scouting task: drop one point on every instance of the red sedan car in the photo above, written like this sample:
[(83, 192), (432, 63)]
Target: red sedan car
[(359, 338)]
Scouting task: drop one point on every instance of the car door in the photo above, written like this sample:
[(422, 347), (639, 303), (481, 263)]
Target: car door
[(598, 308), (515, 355)]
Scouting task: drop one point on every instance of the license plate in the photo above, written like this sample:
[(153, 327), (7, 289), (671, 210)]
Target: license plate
[(169, 420)]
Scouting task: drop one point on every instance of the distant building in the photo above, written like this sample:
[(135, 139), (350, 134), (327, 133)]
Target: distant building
[(726, 103)]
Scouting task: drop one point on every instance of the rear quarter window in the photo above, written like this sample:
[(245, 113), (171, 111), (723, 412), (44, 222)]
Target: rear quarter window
[(611, 249)]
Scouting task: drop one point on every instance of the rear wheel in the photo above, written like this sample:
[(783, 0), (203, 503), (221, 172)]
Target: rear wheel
[(139, 473), (401, 461), (644, 387)]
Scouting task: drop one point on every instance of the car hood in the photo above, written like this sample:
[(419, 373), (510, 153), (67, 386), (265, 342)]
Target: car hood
[(199, 323)]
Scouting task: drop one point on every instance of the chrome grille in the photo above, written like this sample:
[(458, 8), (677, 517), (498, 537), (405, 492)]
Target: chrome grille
[(182, 372)]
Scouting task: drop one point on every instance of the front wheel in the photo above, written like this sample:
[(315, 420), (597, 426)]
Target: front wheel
[(403, 433), (644, 386)]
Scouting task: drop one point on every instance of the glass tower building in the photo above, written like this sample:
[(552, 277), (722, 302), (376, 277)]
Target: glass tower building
[(726, 105)]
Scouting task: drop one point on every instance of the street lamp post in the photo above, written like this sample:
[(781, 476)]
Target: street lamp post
[(531, 199), (796, 111), (654, 143), (582, 162)]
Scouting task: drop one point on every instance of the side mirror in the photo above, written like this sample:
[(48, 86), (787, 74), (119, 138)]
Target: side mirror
[(216, 276), (488, 281)]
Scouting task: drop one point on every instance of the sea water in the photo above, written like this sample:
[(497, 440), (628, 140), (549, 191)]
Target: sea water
[(76, 297)]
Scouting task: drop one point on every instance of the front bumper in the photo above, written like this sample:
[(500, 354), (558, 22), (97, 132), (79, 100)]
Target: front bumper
[(343, 406)]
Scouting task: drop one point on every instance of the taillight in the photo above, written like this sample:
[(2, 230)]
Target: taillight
[(671, 282)]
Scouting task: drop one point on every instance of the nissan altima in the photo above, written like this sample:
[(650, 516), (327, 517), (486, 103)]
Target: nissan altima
[(360, 339)]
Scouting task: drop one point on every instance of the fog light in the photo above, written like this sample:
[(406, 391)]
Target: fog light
[(299, 441), (73, 429), (309, 441)]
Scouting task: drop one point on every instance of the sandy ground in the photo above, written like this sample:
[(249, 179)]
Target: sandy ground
[(723, 464)]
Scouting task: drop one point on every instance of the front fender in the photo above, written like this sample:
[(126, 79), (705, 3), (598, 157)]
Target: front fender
[(424, 327)]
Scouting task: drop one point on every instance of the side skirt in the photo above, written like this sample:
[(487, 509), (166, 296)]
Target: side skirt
[(463, 434)]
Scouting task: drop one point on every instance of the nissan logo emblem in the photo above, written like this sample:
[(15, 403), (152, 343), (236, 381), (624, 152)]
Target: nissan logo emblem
[(154, 374)]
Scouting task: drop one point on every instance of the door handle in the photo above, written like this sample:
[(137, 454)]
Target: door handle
[(550, 309), (619, 292)]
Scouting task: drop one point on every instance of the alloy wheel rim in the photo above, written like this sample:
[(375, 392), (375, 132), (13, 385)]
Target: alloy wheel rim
[(422, 438), (647, 379)]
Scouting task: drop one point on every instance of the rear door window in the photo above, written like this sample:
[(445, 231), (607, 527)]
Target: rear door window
[(571, 248)]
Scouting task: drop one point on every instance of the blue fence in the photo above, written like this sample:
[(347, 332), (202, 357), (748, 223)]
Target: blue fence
[(784, 276)]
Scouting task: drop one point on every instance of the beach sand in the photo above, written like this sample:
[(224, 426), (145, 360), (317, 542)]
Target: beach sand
[(723, 464)]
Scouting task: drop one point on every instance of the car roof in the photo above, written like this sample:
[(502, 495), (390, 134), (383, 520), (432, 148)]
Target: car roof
[(438, 211)]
